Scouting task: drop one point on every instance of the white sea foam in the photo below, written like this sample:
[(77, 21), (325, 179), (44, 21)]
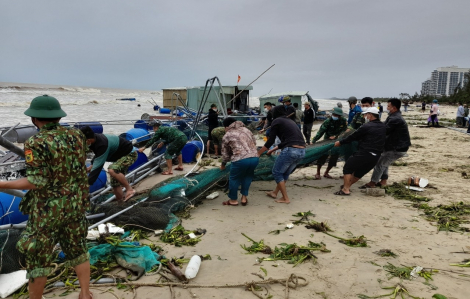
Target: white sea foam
[(88, 104)]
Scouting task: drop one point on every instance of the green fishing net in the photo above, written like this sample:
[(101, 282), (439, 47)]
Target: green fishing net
[(10, 258)]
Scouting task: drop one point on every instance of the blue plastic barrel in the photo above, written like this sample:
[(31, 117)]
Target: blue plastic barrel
[(165, 111), (100, 182), (181, 125), (156, 107), (96, 126), (141, 159), (142, 124), (190, 151), (136, 133), (161, 150), (15, 215)]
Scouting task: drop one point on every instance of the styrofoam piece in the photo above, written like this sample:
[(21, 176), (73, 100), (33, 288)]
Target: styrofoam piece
[(93, 235), (11, 282), (212, 195), (289, 225), (415, 272), (110, 228), (423, 182), (414, 188), (192, 236)]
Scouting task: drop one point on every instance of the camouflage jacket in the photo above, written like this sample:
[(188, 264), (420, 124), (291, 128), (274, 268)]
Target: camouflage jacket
[(331, 127), (218, 133), (55, 164), (166, 135), (357, 121)]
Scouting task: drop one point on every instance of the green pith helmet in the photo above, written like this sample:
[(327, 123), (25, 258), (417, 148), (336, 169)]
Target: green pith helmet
[(338, 111), (45, 107), (352, 100)]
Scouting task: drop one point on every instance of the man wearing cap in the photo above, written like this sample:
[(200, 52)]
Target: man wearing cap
[(397, 142), (359, 119), (57, 200), (353, 108), (309, 117), (332, 127), (371, 139), (111, 148), (174, 138), (290, 110)]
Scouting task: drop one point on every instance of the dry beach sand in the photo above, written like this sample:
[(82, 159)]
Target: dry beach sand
[(438, 154)]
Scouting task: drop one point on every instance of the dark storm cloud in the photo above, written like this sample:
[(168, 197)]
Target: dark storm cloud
[(331, 48)]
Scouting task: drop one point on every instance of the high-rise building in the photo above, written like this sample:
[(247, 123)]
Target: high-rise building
[(444, 81)]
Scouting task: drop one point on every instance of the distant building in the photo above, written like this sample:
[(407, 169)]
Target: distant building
[(444, 80), (426, 87)]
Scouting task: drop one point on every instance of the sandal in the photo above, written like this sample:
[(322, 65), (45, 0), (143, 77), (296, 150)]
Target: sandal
[(341, 192), (341, 188), (365, 186), (167, 173), (245, 203), (317, 177), (227, 203), (179, 168), (328, 176)]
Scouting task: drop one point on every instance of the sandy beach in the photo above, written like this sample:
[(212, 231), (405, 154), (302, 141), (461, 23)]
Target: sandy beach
[(438, 154)]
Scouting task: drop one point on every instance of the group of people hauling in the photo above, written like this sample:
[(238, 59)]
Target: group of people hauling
[(379, 145), (56, 174)]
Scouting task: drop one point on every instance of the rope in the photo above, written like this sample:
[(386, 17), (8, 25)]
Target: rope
[(292, 282), (5, 244), (8, 212)]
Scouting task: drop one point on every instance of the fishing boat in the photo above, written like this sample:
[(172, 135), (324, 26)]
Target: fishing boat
[(126, 99)]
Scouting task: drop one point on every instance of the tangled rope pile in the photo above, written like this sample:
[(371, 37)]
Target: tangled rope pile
[(292, 282)]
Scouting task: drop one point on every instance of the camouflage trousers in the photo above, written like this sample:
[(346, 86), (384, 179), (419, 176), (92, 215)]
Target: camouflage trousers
[(175, 147), (121, 166), (38, 240)]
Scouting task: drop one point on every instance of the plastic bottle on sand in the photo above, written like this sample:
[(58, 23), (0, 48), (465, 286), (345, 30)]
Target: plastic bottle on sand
[(193, 267)]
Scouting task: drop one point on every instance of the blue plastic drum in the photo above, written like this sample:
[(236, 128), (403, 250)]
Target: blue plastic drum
[(136, 133), (141, 159), (165, 111), (10, 204), (142, 124), (190, 151), (100, 182)]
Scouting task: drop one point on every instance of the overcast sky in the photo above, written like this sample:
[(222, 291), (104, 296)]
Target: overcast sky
[(332, 48)]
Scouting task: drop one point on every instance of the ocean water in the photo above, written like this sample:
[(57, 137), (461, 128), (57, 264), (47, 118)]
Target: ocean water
[(91, 104)]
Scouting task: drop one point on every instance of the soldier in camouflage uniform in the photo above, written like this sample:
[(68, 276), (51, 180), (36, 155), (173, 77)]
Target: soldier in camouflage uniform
[(217, 135), (359, 119), (175, 139), (58, 197), (331, 128)]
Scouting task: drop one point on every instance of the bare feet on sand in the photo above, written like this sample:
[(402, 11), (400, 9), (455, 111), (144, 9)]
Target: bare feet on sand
[(271, 194), (282, 200)]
